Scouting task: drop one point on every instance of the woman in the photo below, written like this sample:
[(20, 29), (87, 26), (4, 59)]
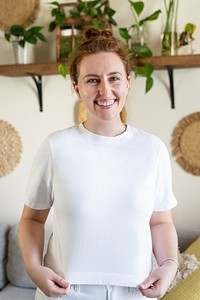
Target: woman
[(110, 187)]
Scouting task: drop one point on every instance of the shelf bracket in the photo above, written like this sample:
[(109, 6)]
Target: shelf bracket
[(171, 82), (38, 81)]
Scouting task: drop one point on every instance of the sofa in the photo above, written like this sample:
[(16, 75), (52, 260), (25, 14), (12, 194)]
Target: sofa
[(15, 284)]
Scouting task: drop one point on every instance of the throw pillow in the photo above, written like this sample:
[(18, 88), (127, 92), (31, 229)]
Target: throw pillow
[(3, 253), (15, 268), (186, 284)]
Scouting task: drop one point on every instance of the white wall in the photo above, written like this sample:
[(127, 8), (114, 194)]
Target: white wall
[(151, 112)]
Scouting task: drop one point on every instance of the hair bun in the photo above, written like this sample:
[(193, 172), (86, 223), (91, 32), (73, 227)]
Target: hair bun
[(92, 32)]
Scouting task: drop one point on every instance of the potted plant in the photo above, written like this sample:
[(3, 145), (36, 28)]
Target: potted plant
[(96, 13), (170, 34), (186, 39), (136, 45), (19, 36)]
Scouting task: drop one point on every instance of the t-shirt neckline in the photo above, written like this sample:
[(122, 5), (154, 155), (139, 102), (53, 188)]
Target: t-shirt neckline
[(104, 139)]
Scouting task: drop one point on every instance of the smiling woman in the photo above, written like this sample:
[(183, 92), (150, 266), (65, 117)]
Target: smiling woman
[(110, 186)]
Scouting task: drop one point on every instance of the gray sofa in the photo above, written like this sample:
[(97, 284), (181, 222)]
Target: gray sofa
[(15, 284)]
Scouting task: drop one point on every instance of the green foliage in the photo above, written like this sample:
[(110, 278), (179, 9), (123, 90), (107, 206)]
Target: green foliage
[(21, 35), (138, 49), (96, 10), (62, 70), (59, 16), (146, 71)]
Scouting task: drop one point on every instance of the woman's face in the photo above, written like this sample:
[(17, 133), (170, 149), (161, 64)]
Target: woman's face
[(102, 86)]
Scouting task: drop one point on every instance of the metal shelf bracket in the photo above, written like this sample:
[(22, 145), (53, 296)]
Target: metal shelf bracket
[(171, 82), (38, 81)]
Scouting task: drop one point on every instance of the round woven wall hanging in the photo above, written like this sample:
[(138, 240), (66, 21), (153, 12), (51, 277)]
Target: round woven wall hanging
[(22, 12), (186, 143), (10, 148)]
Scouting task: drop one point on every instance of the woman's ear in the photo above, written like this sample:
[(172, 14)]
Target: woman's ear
[(76, 89), (129, 81)]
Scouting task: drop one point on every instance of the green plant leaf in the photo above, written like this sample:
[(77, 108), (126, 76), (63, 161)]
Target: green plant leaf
[(62, 70), (138, 6), (124, 33), (109, 11), (146, 71), (41, 37), (152, 17), (190, 28), (52, 26), (35, 29), (21, 43), (16, 30), (31, 39), (93, 3), (113, 22), (149, 84), (141, 50), (7, 36)]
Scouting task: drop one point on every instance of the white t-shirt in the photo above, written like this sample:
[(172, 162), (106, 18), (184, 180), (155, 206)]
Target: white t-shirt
[(103, 190)]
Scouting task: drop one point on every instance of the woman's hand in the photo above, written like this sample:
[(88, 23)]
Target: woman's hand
[(157, 283), (49, 282)]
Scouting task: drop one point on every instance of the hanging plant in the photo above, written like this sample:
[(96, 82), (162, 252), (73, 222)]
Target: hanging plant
[(139, 48)]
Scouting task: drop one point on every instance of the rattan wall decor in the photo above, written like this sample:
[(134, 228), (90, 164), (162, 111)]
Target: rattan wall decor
[(22, 12), (186, 143), (10, 148)]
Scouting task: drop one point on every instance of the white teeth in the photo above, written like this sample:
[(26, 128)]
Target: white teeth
[(105, 103)]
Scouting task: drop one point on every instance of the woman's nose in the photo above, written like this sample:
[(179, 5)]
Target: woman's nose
[(103, 87)]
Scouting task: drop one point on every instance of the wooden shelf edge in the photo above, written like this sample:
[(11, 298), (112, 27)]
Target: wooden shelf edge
[(25, 69), (159, 63), (175, 62)]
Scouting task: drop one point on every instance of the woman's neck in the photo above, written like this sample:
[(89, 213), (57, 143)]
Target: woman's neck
[(105, 128)]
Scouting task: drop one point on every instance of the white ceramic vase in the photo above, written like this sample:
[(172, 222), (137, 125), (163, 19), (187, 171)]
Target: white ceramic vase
[(23, 55)]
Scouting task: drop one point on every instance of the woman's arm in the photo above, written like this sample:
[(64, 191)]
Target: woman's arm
[(165, 248), (31, 234)]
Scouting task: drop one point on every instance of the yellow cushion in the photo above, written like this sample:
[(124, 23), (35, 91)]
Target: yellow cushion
[(189, 288)]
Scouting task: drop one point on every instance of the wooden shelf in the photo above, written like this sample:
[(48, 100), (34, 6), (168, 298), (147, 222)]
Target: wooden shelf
[(159, 63), (26, 69), (175, 62)]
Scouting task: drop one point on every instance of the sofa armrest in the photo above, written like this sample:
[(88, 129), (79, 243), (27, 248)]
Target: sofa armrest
[(4, 229)]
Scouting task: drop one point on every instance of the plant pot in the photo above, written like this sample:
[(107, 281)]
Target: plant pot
[(23, 55), (138, 36), (68, 40), (170, 43)]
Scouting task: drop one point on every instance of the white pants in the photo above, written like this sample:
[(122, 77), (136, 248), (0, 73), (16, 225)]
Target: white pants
[(98, 292)]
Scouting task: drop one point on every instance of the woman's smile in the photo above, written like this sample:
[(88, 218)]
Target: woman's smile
[(105, 103)]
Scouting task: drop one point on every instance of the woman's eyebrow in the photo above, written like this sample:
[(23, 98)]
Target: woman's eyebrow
[(91, 75), (95, 75)]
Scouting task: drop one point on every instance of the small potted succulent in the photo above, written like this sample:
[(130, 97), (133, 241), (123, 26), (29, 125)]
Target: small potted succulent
[(20, 36)]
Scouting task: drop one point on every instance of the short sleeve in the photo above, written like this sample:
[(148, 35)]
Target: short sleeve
[(164, 196), (39, 192)]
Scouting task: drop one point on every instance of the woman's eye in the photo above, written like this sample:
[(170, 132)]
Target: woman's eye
[(92, 80), (114, 78)]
